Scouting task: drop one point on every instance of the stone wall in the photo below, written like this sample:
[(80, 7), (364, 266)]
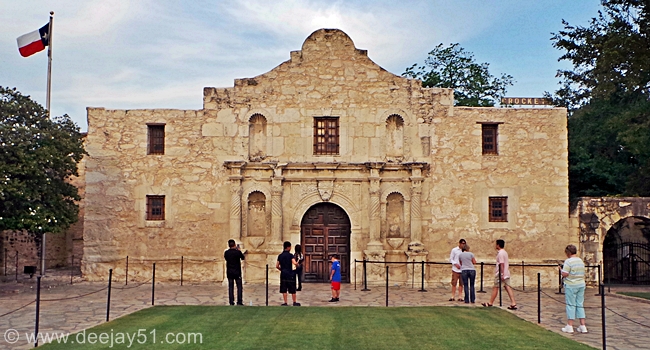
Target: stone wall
[(409, 173), (593, 217), (28, 248)]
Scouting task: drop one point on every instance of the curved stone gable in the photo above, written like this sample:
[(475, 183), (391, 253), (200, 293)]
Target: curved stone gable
[(321, 74)]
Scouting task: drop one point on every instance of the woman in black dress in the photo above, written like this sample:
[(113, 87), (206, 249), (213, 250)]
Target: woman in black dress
[(299, 259)]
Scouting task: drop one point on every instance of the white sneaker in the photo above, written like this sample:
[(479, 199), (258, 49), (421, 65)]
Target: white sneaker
[(582, 329), (567, 329)]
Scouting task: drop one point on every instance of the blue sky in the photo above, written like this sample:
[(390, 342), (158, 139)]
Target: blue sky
[(160, 53)]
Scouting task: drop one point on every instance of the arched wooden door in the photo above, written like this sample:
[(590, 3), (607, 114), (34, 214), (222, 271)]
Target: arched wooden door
[(325, 230)]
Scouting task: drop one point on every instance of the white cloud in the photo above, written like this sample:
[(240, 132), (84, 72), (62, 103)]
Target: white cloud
[(161, 53)]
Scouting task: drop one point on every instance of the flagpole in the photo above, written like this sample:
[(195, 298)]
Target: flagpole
[(49, 63), (47, 106)]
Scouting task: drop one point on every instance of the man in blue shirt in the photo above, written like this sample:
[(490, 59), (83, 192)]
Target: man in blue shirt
[(335, 277)]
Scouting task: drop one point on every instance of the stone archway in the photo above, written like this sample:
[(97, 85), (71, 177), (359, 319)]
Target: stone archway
[(324, 230), (626, 251)]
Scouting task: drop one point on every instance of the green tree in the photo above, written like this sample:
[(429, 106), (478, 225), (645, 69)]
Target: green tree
[(38, 155), (453, 67), (608, 96)]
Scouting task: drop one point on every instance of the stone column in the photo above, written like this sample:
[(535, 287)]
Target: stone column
[(276, 207), (374, 210), (235, 199), (416, 211)]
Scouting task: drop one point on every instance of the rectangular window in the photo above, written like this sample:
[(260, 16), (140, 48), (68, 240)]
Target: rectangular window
[(155, 207), (156, 139), (498, 209), (326, 136), (490, 133)]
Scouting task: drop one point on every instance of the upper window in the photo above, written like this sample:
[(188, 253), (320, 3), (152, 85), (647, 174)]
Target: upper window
[(155, 207), (498, 209), (490, 133), (156, 144), (326, 136)]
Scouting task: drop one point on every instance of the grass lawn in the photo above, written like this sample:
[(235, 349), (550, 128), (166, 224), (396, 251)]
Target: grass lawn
[(644, 295), (303, 328)]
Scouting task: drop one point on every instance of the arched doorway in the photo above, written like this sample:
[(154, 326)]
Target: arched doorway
[(325, 230), (626, 252)]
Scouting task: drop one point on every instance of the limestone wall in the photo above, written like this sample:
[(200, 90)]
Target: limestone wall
[(531, 169)]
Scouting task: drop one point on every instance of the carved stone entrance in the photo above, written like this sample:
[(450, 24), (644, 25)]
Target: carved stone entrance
[(325, 230)]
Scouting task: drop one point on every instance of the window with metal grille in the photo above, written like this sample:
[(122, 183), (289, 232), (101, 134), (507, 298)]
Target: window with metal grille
[(155, 207), (326, 136), (156, 139), (498, 209), (490, 133)]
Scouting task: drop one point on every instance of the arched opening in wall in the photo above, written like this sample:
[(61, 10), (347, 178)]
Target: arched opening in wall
[(626, 252), (257, 138), (256, 218), (325, 230), (395, 136), (395, 215)]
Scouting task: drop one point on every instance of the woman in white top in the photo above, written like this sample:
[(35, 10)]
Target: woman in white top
[(573, 272), (468, 274), (300, 258)]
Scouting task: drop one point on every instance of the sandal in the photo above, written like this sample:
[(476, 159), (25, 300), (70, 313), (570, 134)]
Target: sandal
[(486, 304), (452, 299), (512, 307)]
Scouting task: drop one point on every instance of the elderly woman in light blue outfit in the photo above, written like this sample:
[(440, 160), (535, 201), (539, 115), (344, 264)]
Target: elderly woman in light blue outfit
[(573, 272)]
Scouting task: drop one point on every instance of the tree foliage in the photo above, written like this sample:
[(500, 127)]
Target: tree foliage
[(610, 57), (453, 67), (38, 155), (608, 96)]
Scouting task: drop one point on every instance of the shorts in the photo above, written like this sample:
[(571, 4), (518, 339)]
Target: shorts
[(455, 279), (504, 282), (288, 285), (336, 285)]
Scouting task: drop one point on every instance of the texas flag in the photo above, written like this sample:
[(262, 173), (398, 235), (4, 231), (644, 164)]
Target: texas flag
[(34, 42)]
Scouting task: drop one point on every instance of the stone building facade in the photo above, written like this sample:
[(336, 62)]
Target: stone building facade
[(329, 150)]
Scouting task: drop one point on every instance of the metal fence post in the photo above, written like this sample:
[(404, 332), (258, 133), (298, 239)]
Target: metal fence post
[(500, 292), (523, 277), (365, 277), (355, 274), (183, 258), (71, 267), (38, 309), (481, 291), (539, 298), (267, 284), (602, 305), (412, 274), (422, 273), (386, 285), (153, 283), (108, 299), (599, 281), (559, 280), (126, 275)]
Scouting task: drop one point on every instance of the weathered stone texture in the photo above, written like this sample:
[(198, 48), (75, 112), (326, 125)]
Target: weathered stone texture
[(396, 138)]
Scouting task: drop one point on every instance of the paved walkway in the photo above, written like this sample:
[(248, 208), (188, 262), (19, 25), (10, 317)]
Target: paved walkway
[(73, 315)]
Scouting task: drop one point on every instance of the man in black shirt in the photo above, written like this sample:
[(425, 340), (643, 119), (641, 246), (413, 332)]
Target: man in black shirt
[(286, 264), (233, 258)]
